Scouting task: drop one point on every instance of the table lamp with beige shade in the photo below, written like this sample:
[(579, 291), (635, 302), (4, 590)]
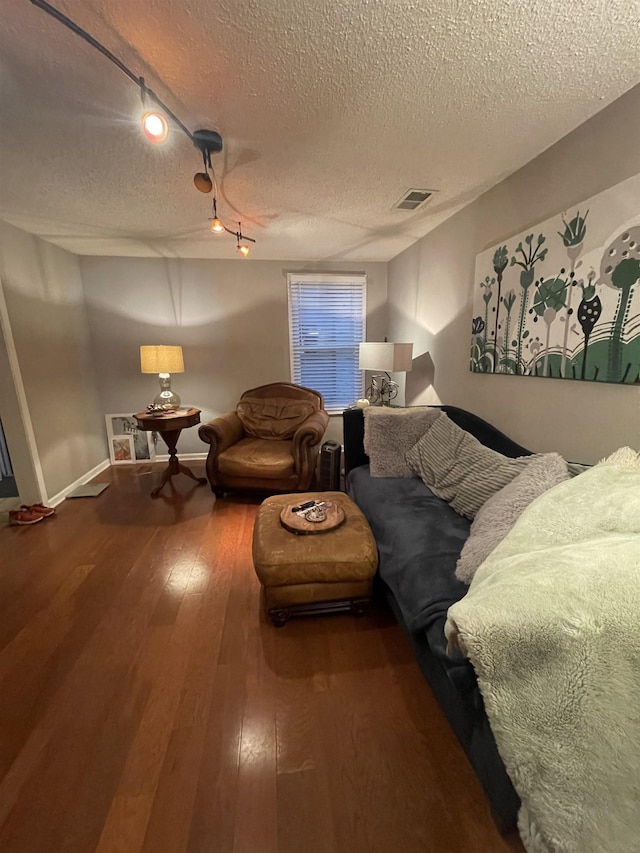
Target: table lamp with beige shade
[(164, 361)]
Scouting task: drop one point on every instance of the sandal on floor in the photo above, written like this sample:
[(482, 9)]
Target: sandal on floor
[(24, 516), (41, 509)]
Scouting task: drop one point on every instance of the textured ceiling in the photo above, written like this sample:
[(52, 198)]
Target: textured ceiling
[(329, 112)]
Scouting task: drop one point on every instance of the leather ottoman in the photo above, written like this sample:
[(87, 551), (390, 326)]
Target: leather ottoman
[(322, 573)]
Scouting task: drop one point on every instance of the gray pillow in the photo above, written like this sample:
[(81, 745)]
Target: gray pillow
[(390, 432), (498, 515), (459, 469)]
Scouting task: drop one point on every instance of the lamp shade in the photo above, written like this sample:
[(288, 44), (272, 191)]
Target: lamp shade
[(385, 356), (161, 360)]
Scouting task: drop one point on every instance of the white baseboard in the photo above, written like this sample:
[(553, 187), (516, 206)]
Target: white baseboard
[(85, 478), (160, 457)]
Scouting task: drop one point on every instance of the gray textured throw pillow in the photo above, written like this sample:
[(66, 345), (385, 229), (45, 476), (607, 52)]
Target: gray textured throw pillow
[(389, 433), (459, 469), (498, 515)]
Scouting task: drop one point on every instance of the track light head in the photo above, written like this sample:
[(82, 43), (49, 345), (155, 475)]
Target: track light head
[(155, 127), (208, 142), (216, 225), (241, 241), (203, 182)]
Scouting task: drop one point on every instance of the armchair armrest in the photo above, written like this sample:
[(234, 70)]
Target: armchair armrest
[(307, 436), (221, 432), (310, 431)]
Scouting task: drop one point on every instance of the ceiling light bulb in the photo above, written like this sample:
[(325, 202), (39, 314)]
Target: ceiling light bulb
[(216, 226), (243, 249), (155, 127)]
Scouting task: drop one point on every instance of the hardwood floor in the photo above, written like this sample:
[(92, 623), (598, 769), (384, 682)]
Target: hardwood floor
[(146, 704)]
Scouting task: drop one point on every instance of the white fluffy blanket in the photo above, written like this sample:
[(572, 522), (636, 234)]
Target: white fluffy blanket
[(551, 624)]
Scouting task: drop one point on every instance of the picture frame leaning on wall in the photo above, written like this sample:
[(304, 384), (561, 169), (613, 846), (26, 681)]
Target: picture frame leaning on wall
[(128, 445)]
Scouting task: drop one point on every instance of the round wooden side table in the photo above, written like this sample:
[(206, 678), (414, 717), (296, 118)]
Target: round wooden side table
[(170, 425)]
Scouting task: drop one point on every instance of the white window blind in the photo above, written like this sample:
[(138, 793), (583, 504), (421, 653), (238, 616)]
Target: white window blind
[(326, 325)]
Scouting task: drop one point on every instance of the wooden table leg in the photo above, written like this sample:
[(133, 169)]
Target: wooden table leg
[(170, 438)]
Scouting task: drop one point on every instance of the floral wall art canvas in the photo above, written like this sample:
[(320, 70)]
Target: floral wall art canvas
[(562, 299)]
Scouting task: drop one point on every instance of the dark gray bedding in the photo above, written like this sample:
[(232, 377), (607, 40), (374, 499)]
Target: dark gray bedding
[(419, 541)]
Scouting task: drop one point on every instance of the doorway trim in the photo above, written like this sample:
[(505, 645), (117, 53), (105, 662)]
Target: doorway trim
[(19, 431)]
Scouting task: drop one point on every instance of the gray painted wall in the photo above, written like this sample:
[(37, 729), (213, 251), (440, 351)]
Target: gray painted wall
[(45, 310), (230, 317), (430, 297)]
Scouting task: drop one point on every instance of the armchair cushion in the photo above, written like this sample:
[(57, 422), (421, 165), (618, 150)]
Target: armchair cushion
[(273, 418), (273, 459)]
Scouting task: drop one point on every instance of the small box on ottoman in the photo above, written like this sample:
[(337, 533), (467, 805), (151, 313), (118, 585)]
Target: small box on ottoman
[(323, 573)]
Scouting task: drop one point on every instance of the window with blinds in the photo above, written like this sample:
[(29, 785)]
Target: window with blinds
[(327, 322)]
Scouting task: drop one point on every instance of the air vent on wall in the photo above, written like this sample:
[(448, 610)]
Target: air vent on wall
[(413, 199)]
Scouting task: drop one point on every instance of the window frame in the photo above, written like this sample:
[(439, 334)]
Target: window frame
[(323, 279)]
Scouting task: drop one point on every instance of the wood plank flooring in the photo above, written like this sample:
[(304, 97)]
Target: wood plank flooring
[(146, 706)]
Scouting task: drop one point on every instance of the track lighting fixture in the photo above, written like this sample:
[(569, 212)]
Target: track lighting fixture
[(155, 125)]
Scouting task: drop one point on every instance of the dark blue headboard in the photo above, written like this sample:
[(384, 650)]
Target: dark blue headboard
[(491, 437)]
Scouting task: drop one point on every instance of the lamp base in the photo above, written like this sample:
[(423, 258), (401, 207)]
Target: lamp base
[(382, 390), (166, 398)]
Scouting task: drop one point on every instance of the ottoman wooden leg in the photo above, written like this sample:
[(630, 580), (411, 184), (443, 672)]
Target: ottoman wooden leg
[(278, 617), (360, 606)]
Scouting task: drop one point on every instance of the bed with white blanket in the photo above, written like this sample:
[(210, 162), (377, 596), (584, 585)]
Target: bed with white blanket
[(551, 624)]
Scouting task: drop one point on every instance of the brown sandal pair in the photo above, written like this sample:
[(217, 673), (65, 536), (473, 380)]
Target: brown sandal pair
[(30, 514)]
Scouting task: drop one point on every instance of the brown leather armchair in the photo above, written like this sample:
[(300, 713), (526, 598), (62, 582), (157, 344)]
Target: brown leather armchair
[(270, 443)]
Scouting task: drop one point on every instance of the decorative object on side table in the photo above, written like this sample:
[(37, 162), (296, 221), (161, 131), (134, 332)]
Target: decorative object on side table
[(164, 361), (390, 358), (170, 425)]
